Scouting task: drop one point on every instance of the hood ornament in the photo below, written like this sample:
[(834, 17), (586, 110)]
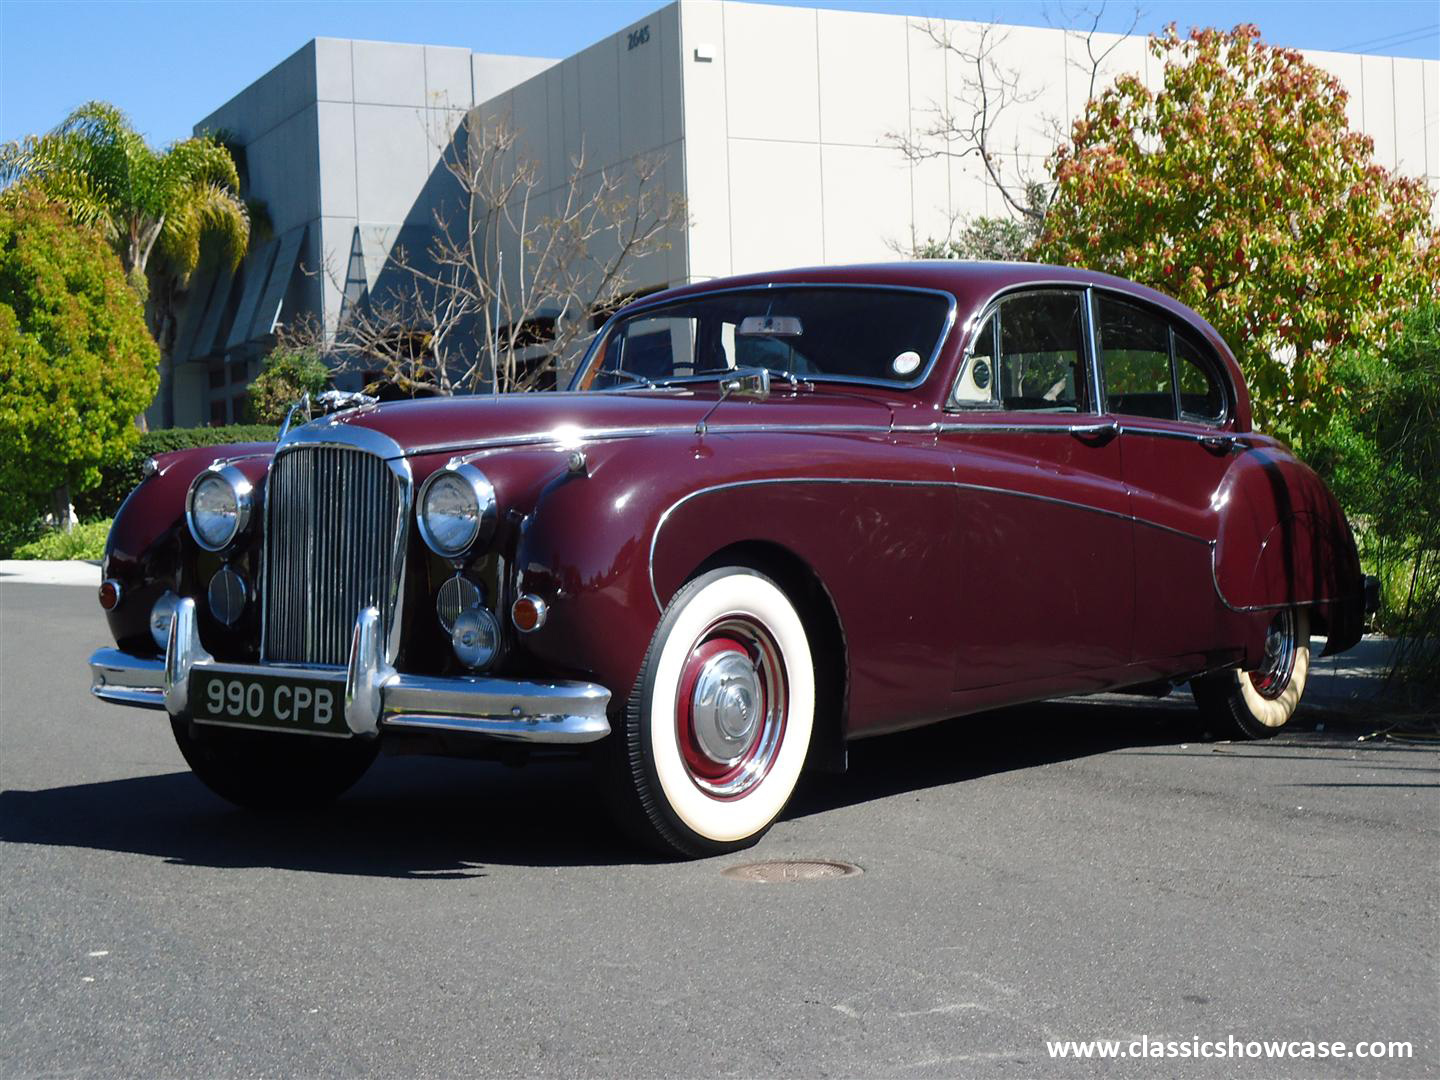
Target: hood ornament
[(325, 404)]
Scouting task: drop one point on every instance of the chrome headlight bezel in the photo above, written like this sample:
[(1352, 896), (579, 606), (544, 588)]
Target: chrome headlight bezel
[(473, 485), (242, 492)]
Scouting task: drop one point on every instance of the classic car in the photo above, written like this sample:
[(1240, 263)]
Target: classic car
[(771, 515)]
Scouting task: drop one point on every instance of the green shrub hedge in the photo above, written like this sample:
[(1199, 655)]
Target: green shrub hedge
[(116, 481), (82, 542)]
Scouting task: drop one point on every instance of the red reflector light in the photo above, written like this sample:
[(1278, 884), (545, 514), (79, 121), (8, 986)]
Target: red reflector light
[(109, 594), (528, 613)]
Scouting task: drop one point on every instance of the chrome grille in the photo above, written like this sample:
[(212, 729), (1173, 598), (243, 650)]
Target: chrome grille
[(334, 545)]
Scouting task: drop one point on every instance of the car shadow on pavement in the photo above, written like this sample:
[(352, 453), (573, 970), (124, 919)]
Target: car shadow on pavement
[(984, 744), (450, 819), (408, 818)]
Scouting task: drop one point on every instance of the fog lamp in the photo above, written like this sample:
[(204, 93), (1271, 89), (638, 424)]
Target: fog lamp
[(160, 616), (476, 638)]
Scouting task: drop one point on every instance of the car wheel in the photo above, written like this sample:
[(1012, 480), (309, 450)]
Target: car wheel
[(273, 773), (1256, 704), (718, 725)]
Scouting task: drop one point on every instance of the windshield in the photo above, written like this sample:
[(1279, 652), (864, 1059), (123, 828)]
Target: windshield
[(810, 332)]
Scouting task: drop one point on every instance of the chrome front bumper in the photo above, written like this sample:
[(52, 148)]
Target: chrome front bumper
[(376, 696)]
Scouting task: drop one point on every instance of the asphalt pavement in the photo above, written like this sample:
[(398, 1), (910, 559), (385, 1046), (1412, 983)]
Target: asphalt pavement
[(1078, 870)]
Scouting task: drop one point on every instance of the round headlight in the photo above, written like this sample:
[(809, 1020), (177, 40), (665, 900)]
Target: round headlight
[(218, 507), (160, 619), (457, 510)]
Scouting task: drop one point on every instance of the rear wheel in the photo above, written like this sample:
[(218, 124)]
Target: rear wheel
[(1256, 704), (278, 772), (716, 730)]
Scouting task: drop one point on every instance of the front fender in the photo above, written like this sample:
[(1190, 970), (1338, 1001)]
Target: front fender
[(149, 550)]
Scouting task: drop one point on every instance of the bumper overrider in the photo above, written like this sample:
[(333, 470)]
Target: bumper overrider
[(375, 696)]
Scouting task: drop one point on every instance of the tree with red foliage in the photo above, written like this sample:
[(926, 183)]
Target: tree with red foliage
[(1239, 189)]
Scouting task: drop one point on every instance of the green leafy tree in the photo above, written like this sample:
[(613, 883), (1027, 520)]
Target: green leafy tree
[(1239, 188), (76, 361), (1381, 456), (289, 373), (155, 207)]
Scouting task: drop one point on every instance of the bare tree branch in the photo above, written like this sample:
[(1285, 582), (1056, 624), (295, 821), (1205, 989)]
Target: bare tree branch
[(513, 275)]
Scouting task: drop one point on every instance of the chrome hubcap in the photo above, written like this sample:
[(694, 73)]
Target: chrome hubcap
[(730, 707), (1273, 675), (725, 707)]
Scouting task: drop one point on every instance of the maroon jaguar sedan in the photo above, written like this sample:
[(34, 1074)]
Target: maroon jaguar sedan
[(772, 514)]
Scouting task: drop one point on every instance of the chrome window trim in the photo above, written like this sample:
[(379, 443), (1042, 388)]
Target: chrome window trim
[(360, 439), (1175, 324), (640, 307), (991, 306), (958, 484)]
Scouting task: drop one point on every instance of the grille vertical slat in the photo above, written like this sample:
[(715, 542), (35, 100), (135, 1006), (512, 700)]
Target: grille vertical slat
[(330, 537)]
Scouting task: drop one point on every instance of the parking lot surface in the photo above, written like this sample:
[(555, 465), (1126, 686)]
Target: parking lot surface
[(1077, 870)]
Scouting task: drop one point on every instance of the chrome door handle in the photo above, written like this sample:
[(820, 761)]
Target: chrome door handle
[(1221, 444), (1098, 434)]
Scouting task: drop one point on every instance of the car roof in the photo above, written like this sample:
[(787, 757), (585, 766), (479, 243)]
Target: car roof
[(972, 284)]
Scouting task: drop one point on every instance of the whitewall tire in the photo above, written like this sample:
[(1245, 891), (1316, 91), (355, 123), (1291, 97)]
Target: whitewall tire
[(1256, 704), (718, 725)]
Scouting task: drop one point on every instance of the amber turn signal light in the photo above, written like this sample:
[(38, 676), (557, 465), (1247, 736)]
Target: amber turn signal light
[(528, 613), (109, 594)]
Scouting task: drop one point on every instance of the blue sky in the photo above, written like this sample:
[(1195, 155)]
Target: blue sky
[(168, 64)]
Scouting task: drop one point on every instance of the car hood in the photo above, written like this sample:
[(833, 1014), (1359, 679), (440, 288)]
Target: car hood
[(457, 424)]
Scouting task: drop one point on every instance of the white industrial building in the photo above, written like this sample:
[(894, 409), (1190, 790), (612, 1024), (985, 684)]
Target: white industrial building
[(778, 125)]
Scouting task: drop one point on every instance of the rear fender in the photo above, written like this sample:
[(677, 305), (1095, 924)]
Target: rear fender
[(1283, 541)]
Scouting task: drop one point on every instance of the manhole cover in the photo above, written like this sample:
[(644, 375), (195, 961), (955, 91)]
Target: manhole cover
[(788, 870)]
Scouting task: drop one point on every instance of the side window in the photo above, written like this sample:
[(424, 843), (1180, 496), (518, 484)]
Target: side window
[(977, 380), (1201, 395), (1042, 353), (1135, 360)]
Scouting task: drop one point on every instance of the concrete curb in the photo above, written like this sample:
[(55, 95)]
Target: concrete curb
[(49, 572)]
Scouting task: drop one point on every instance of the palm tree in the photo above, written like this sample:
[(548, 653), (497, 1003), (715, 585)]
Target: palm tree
[(154, 206)]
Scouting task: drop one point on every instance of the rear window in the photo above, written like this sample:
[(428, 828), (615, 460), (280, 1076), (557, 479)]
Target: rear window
[(868, 334)]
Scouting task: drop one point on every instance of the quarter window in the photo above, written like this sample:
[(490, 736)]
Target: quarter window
[(1200, 392), (977, 379), (1150, 368)]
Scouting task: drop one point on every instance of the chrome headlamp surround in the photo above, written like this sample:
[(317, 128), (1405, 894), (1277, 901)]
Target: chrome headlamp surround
[(241, 492), (476, 495)]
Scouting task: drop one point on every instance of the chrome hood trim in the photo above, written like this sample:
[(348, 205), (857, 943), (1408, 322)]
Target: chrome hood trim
[(326, 431)]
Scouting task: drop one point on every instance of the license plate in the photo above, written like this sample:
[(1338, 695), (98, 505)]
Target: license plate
[(277, 702)]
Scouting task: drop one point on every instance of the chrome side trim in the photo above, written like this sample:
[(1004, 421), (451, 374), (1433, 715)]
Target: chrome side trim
[(660, 300), (568, 439), (1063, 429), (961, 485)]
